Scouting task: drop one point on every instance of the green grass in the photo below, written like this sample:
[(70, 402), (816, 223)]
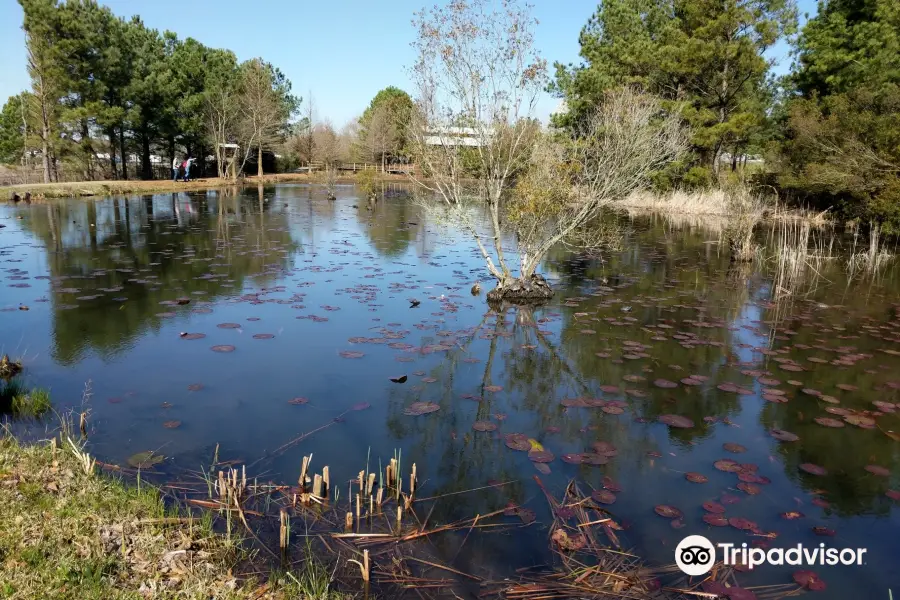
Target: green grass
[(31, 404), (8, 391), (68, 531)]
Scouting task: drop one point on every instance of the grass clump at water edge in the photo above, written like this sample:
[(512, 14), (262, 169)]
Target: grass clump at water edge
[(31, 404), (66, 531)]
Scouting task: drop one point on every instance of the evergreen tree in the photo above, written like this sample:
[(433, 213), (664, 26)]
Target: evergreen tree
[(704, 57), (13, 130), (841, 140)]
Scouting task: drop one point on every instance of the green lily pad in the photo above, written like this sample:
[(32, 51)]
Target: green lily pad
[(145, 460)]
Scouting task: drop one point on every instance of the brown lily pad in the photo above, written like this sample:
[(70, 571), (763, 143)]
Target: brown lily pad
[(540, 456), (421, 408), (715, 520), (727, 465), (518, 441), (783, 436), (878, 470), (676, 421), (603, 496), (484, 426), (669, 512), (741, 523)]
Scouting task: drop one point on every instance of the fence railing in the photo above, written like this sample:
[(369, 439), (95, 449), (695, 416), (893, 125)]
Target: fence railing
[(354, 167)]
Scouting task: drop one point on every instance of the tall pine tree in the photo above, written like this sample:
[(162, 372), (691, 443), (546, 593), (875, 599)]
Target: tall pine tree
[(841, 143), (704, 57)]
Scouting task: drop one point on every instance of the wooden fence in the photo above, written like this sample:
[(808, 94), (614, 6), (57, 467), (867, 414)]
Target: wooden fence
[(391, 169)]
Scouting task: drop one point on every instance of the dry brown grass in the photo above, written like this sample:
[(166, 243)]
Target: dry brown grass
[(713, 203)]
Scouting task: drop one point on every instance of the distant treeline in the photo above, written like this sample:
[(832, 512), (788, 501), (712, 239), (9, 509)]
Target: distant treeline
[(104, 89), (827, 134)]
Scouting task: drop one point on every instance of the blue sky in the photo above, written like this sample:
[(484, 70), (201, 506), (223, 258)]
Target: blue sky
[(343, 51)]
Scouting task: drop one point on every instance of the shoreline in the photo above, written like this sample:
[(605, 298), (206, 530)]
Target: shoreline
[(43, 191), (66, 527)]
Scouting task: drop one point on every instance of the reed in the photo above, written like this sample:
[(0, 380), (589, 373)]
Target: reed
[(874, 259)]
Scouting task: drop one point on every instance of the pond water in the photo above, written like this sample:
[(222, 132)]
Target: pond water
[(314, 297)]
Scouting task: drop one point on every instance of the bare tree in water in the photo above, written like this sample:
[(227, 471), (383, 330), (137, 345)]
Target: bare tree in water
[(327, 147), (478, 78), (569, 181)]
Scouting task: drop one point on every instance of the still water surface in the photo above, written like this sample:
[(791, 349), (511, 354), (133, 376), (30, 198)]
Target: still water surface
[(314, 298)]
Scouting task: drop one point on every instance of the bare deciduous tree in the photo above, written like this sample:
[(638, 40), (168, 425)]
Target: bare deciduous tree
[(477, 78), (382, 134), (222, 111), (568, 182), (327, 151), (266, 107)]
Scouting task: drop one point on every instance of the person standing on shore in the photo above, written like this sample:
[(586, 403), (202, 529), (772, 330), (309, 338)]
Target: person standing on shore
[(175, 165), (187, 168)]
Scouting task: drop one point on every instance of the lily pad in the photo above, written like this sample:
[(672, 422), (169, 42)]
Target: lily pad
[(715, 520), (813, 469), (421, 408), (483, 425), (783, 436), (809, 580), (145, 460), (665, 384), (696, 477), (878, 470), (676, 421), (603, 496), (741, 523), (669, 512), (727, 465), (518, 441), (540, 456)]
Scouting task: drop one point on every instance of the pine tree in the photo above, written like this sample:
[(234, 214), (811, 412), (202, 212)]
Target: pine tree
[(841, 141), (704, 57)]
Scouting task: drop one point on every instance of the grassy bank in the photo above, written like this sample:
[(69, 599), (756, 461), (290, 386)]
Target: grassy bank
[(66, 531), (107, 188)]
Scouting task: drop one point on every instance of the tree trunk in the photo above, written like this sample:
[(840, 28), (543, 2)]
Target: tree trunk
[(146, 168), (122, 153), (45, 150), (171, 144), (54, 170), (111, 132), (259, 168), (87, 151)]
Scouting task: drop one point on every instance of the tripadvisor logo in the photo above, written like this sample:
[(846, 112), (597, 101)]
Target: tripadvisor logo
[(695, 555)]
